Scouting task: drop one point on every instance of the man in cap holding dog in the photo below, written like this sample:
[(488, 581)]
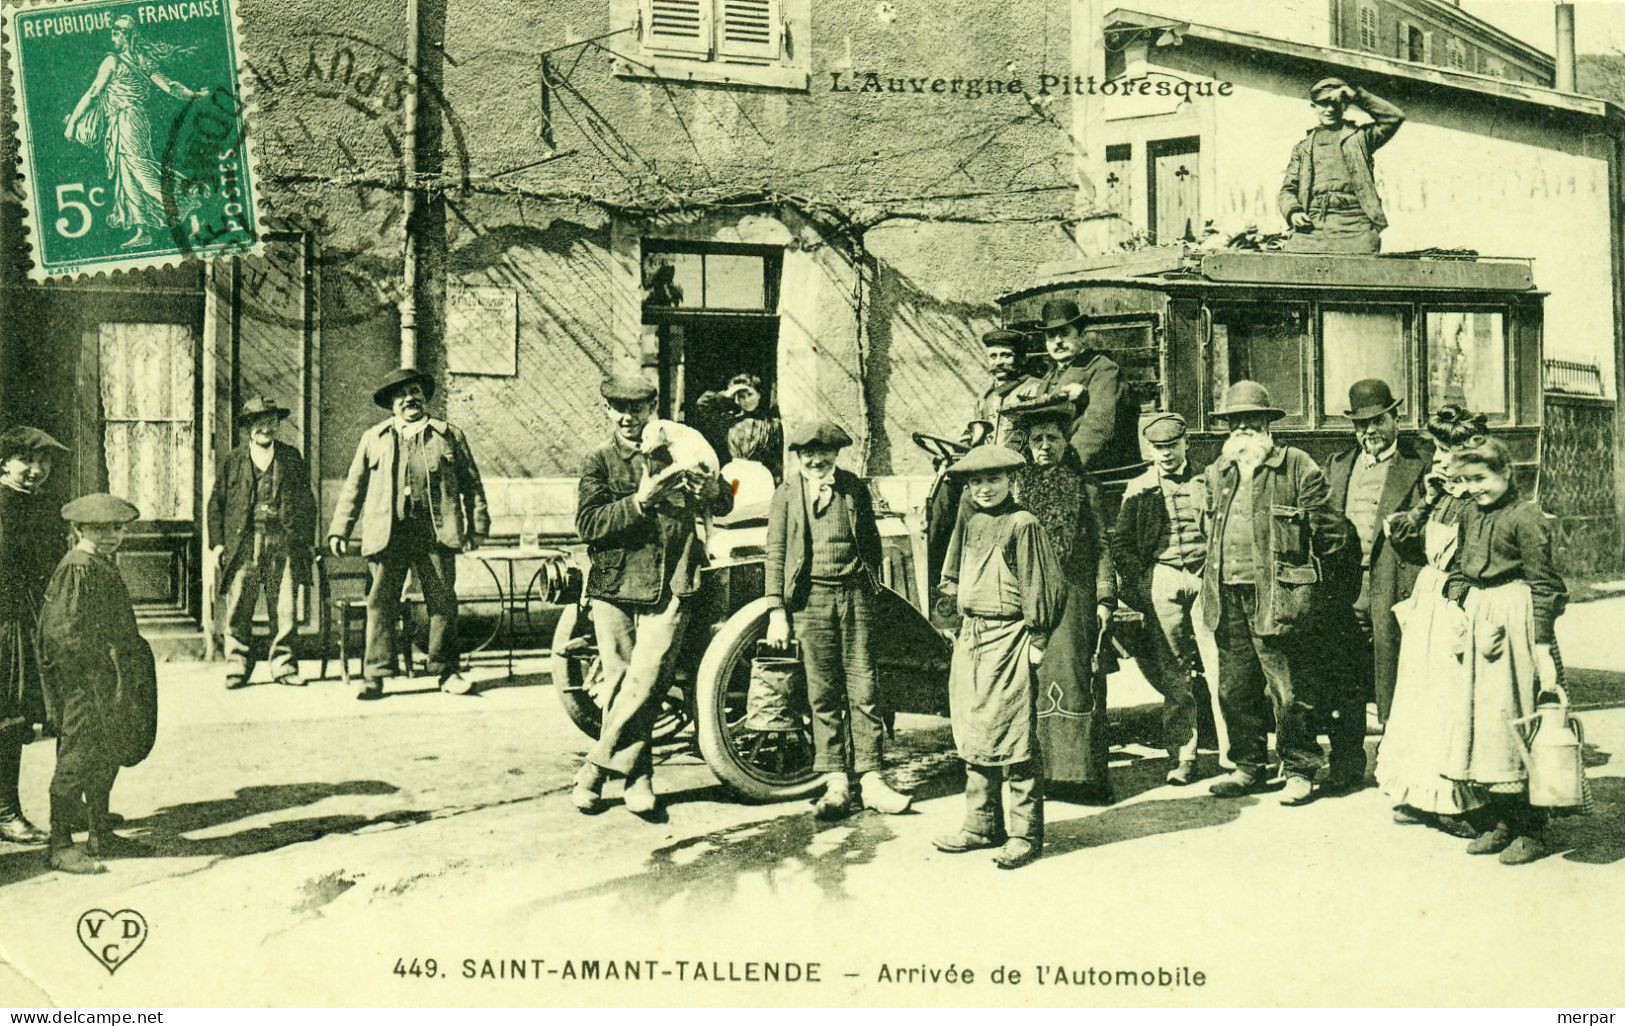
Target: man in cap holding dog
[(416, 490), (646, 559), (1272, 526), (1329, 193), (262, 524)]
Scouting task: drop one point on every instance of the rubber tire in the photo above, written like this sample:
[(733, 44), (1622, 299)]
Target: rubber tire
[(578, 704), (733, 641)]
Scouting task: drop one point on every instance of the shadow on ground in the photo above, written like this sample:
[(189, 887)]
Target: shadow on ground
[(164, 830)]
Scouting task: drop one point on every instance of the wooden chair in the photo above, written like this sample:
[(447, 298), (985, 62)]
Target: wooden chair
[(342, 584)]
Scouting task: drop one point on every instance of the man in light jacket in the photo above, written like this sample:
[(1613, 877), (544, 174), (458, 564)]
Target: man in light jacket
[(416, 489)]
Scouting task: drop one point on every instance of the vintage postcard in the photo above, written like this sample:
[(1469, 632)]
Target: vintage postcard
[(132, 133), (866, 503)]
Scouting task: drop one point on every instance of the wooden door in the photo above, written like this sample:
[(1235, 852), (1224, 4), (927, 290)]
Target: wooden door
[(1175, 196), (147, 384)]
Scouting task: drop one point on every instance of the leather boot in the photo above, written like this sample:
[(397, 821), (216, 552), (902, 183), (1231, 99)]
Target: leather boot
[(62, 853), (102, 842), (14, 826)]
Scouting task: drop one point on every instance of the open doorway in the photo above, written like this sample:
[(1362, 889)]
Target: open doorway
[(715, 307)]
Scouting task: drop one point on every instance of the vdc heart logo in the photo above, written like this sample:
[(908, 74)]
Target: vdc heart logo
[(112, 938)]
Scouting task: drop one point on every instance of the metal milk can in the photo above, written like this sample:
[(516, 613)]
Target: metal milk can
[(1550, 742)]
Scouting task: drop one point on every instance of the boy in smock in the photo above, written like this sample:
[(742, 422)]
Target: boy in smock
[(1005, 577)]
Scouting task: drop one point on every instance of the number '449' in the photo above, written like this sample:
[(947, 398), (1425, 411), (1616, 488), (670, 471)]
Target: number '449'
[(427, 967)]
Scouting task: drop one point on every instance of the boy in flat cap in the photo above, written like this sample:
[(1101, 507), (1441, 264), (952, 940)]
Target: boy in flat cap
[(646, 560), (32, 539), (416, 489), (100, 684), (1008, 586), (1161, 547), (823, 573), (262, 525), (1329, 193)]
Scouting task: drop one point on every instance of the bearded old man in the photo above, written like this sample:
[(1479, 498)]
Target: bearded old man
[(1271, 526)]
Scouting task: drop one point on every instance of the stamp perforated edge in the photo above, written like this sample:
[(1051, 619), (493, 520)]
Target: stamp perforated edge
[(37, 272)]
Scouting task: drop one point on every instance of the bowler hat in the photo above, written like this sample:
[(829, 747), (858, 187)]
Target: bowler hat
[(987, 459), (1332, 85), (626, 388), (1058, 313), (1006, 338), (27, 439), (384, 394), (261, 404), (100, 508), (819, 434), (1247, 397), (1369, 398), (1164, 428)]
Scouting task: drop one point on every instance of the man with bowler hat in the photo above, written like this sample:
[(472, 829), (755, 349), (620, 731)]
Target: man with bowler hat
[(416, 489), (1103, 429), (1380, 475), (1271, 527), (1161, 548), (1329, 193), (646, 559), (262, 525)]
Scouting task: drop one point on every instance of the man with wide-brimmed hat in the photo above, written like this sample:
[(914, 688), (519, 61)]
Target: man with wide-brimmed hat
[(262, 526), (646, 558), (1161, 548), (1380, 475), (416, 490), (1103, 424), (1329, 193), (1271, 526), (823, 578)]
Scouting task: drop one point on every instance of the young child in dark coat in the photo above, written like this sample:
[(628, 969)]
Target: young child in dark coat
[(100, 689)]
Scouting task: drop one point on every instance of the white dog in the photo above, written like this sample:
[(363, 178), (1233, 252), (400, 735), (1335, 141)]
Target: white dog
[(675, 448)]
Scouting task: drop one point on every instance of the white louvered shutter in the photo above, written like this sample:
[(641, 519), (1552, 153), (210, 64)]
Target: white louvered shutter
[(679, 28), (750, 31)]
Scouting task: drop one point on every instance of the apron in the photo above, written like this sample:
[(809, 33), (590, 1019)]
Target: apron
[(990, 687)]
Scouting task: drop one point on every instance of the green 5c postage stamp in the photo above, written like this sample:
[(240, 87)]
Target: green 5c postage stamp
[(134, 139)]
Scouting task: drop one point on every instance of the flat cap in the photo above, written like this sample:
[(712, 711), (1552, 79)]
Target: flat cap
[(1164, 427), (100, 508), (27, 439), (626, 388), (819, 434), (1332, 85), (1004, 337), (987, 459)]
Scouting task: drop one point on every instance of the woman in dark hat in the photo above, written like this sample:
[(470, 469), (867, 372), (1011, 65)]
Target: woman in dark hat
[(1071, 691), (99, 682), (31, 541)]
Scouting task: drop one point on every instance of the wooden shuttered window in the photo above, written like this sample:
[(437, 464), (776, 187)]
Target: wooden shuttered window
[(677, 28), (728, 31), (749, 31)]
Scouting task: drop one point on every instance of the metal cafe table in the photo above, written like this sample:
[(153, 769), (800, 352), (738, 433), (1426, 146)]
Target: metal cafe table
[(550, 562)]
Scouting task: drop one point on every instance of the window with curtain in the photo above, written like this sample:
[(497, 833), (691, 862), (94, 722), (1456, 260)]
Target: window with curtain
[(148, 382)]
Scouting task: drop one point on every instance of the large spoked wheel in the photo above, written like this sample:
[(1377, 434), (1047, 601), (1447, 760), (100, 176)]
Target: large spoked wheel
[(578, 677), (760, 765)]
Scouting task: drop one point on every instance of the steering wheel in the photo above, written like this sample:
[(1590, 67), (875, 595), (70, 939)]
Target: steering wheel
[(941, 450)]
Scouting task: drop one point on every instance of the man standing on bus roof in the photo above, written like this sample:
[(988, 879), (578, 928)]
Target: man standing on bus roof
[(1329, 195)]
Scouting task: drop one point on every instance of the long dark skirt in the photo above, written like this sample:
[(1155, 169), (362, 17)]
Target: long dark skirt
[(22, 696), (1072, 699)]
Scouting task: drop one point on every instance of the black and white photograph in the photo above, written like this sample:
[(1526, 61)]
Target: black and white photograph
[(812, 504)]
